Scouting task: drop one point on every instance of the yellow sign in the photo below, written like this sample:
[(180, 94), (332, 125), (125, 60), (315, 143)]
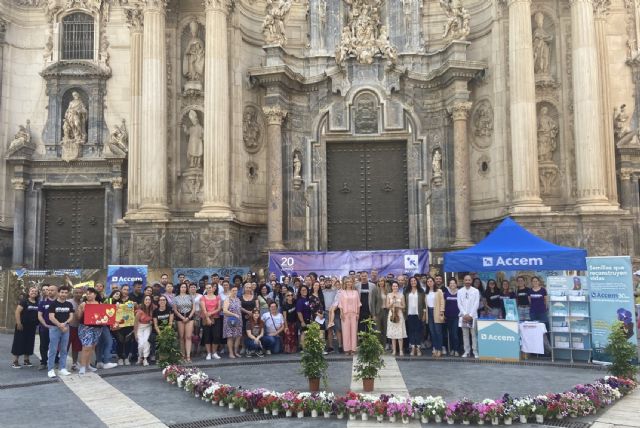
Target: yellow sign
[(125, 314), (85, 284)]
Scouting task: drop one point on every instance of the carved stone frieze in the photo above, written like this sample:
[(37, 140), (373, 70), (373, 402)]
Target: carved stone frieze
[(273, 27), (458, 25), (482, 124), (252, 129), (365, 116)]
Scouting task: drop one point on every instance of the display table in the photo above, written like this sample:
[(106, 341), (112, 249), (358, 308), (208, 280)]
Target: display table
[(498, 340), (532, 337)]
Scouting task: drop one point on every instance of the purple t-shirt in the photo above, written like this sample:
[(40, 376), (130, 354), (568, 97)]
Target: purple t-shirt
[(302, 306), (43, 308), (537, 301), (451, 310)]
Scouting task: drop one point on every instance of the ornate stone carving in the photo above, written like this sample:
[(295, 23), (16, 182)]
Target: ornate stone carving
[(366, 114), (632, 21), (620, 122), (601, 7), (193, 60), (146, 249), (192, 183), (74, 128), (458, 25), (541, 47), (118, 144), (273, 27), (195, 145), (18, 184), (117, 183), (322, 21), (252, 129), (222, 5), (460, 110), (134, 17), (407, 14), (275, 114), (436, 166), (21, 139), (363, 37), (547, 135), (297, 170), (482, 123), (252, 171)]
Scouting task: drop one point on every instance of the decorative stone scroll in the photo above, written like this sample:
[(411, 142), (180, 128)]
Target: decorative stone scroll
[(363, 37)]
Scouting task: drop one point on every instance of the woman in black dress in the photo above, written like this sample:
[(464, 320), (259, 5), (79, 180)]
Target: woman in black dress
[(26, 324)]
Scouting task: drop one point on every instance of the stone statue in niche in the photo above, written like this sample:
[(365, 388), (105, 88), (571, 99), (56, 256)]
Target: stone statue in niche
[(273, 27), (458, 22), (322, 20), (297, 170), (74, 125), (407, 15), (21, 139), (118, 144), (251, 129), (436, 166), (541, 47), (620, 122), (547, 136), (363, 37), (195, 146), (193, 61)]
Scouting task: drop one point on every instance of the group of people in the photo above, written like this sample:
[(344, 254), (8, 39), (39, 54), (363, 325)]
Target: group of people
[(254, 319)]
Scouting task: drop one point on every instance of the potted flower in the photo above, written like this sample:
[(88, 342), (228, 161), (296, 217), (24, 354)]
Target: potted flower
[(366, 408), (435, 407), (380, 409), (494, 411), (524, 408), (168, 350), (540, 408), (370, 352), (287, 402), (314, 365), (353, 408), (240, 401), (481, 410), (508, 413), (339, 406), (325, 402)]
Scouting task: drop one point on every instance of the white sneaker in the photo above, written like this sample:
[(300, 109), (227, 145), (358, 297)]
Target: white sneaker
[(100, 365), (444, 351), (82, 371), (52, 373), (91, 368), (110, 365), (216, 356), (465, 355), (145, 362), (74, 367), (121, 362), (268, 352), (476, 356), (127, 362), (208, 357), (64, 372)]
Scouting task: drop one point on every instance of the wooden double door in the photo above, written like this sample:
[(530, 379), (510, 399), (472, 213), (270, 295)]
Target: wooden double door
[(367, 206)]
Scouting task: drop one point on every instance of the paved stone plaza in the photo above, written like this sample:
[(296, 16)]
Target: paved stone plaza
[(137, 397)]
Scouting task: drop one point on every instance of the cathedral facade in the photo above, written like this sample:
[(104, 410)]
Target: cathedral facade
[(205, 133)]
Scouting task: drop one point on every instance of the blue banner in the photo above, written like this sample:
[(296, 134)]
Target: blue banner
[(611, 291), (126, 274), (196, 274), (498, 340), (339, 263)]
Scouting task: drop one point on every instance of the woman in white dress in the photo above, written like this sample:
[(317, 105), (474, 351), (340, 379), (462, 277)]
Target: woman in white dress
[(396, 330)]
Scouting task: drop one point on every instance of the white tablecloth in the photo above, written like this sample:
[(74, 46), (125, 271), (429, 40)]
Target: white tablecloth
[(532, 337)]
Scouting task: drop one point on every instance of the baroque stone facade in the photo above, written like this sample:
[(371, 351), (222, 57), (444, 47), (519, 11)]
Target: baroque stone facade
[(190, 133)]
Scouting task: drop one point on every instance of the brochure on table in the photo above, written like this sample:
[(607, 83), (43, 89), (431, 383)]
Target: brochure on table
[(569, 316)]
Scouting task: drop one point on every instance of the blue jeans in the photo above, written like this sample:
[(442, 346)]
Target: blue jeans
[(251, 345), (57, 340), (436, 332), (414, 330), (272, 343), (452, 330), (103, 350)]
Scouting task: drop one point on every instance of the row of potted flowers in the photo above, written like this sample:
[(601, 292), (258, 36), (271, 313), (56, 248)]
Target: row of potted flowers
[(580, 401)]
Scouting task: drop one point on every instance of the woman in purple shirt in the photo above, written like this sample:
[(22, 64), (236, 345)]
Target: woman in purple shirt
[(538, 302), (303, 309), (451, 313)]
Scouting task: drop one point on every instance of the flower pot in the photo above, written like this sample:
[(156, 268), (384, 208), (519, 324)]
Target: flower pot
[(466, 422), (437, 418), (327, 415), (392, 418), (288, 413), (242, 410), (558, 416), (480, 421), (222, 404), (314, 413), (424, 419), (231, 406), (405, 419), (340, 415), (508, 421), (352, 417), (314, 384), (301, 414), (367, 384), (573, 415), (380, 418), (365, 416), (274, 412), (495, 421), (523, 419), (539, 419), (214, 403)]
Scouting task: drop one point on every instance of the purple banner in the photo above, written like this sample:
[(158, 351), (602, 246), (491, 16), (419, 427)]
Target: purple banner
[(339, 263)]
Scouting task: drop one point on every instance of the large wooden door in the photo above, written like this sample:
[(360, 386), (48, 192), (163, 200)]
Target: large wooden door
[(367, 196), (74, 229)]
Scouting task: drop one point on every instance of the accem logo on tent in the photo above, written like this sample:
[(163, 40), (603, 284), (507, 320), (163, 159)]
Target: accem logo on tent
[(511, 261)]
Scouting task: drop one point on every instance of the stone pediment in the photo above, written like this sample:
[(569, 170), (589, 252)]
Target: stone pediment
[(74, 69)]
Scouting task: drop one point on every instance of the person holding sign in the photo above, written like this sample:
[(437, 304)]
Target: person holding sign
[(89, 334)]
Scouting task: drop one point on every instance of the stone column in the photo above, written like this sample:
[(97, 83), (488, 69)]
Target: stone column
[(153, 126), (117, 184), (19, 187), (601, 8), (590, 160), (135, 21), (460, 114), (217, 147), (522, 87), (275, 116)]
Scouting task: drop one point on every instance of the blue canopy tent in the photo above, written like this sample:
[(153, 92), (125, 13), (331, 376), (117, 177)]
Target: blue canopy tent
[(512, 247)]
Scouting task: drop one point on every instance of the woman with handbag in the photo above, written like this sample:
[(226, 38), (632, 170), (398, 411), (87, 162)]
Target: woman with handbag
[(210, 307), (232, 327), (396, 330)]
